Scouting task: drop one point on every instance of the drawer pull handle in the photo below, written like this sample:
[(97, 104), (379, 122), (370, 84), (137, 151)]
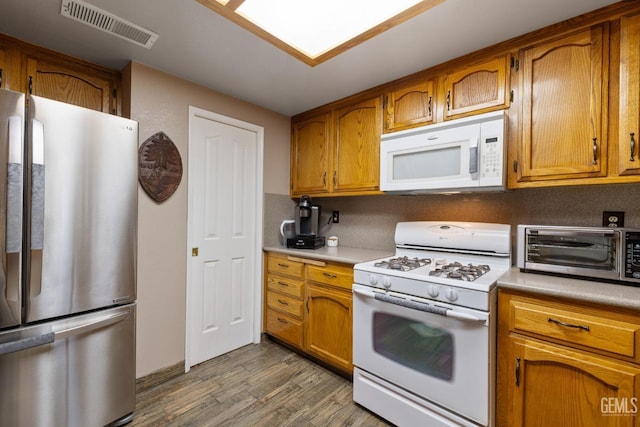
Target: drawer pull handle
[(283, 284), (568, 325), (329, 275), (281, 320), (283, 302), (283, 265)]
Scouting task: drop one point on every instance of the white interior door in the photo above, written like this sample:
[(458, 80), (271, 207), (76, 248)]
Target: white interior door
[(225, 217)]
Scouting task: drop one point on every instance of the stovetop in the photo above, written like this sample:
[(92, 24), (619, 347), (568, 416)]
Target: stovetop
[(440, 267), (434, 269)]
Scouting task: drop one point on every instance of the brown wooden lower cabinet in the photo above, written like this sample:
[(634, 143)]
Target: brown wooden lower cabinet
[(328, 328), (308, 305), (553, 381)]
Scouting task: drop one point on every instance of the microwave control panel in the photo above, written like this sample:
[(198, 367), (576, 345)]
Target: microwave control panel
[(632, 255), (491, 157)]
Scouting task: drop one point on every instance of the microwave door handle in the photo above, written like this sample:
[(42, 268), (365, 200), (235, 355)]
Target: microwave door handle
[(473, 162)]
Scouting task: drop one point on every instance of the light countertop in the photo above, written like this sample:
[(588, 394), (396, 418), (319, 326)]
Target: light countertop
[(342, 254), (622, 296)]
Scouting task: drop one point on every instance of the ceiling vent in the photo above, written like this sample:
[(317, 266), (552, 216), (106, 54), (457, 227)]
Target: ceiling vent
[(108, 22)]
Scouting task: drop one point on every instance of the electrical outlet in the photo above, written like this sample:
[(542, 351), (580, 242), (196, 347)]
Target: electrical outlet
[(612, 219), (335, 217)]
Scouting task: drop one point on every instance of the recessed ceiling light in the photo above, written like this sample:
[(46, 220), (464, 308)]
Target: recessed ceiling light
[(314, 31)]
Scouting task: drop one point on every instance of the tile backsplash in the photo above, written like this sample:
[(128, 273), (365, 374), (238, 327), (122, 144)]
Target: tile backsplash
[(369, 221)]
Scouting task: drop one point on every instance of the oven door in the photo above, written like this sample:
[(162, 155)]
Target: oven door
[(443, 356)]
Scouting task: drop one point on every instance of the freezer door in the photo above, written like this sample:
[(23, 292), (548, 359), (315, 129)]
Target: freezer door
[(11, 184), (82, 373), (83, 206)]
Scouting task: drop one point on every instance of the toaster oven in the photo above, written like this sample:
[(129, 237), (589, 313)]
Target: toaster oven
[(609, 254)]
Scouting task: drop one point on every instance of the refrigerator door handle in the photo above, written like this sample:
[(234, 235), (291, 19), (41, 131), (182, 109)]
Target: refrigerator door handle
[(37, 186), (26, 343), (14, 186), (93, 325)]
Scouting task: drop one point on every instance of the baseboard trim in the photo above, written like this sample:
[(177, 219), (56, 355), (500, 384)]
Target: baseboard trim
[(158, 377)]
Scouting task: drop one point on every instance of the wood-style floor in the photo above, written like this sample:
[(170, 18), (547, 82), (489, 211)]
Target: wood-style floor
[(257, 385)]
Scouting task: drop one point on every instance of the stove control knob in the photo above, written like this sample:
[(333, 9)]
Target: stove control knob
[(386, 282), (433, 291), (373, 279), (451, 294)]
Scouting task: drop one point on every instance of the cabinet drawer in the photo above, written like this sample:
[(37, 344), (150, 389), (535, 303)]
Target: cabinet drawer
[(335, 275), (284, 266), (284, 303), (285, 285), (573, 324), (284, 327)]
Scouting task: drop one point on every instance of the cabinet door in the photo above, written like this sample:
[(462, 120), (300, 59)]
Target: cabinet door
[(58, 81), (409, 106), (10, 67), (328, 326), (479, 88), (564, 91), (558, 386), (310, 155), (5, 63), (356, 160), (628, 149)]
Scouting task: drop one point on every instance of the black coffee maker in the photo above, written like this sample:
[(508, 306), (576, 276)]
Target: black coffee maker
[(307, 217)]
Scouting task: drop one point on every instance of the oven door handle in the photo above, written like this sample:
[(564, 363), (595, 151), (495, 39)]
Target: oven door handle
[(421, 306)]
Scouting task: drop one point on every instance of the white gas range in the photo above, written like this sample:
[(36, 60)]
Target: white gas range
[(424, 327)]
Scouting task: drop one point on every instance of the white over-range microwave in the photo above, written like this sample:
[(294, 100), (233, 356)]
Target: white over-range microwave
[(459, 155)]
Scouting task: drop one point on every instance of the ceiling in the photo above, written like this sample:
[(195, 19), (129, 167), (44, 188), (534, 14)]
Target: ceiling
[(200, 46)]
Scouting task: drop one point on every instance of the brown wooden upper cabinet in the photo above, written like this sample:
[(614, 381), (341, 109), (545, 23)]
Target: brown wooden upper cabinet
[(310, 141), (409, 106), (74, 85), (4, 67), (337, 152), (34, 70), (469, 89), (628, 149), (564, 89), (477, 88)]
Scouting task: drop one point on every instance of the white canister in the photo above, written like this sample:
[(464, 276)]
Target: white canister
[(332, 241)]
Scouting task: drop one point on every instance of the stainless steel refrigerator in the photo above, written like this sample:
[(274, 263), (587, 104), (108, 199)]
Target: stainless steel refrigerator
[(68, 218)]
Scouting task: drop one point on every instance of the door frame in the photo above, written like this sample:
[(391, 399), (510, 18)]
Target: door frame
[(258, 275)]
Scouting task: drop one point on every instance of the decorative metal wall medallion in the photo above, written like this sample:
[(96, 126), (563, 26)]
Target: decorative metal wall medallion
[(160, 167)]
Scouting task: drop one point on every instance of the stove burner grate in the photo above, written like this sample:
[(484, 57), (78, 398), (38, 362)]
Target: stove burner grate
[(403, 263), (456, 270)]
